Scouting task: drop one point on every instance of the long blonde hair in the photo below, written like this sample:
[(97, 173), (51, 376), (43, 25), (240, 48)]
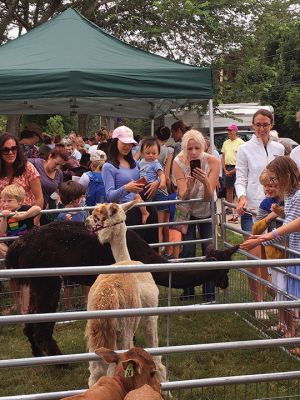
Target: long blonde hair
[(195, 135)]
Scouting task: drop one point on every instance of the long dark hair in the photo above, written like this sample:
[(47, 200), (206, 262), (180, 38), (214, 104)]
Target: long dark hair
[(114, 152), (20, 161)]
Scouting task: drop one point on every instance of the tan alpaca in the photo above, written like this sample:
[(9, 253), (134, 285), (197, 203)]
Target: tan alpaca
[(118, 291)]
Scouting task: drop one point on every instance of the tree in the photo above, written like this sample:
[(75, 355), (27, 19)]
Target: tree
[(55, 125)]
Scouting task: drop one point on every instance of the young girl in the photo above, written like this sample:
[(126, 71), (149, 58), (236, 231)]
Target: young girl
[(152, 170), (285, 171), (266, 220)]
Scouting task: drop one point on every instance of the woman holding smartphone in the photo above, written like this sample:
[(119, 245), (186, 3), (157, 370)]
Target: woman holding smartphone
[(196, 174), (120, 176)]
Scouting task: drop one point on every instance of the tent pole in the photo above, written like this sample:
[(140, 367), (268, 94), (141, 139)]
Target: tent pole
[(212, 146), (152, 127), (211, 124)]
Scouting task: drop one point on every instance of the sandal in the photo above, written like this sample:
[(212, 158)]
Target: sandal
[(295, 351)]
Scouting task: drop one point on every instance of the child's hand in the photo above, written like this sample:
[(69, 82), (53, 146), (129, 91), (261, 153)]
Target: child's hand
[(5, 213), (276, 208), (249, 244), (68, 217)]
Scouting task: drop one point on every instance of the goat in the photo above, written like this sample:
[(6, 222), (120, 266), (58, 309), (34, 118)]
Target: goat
[(134, 369)]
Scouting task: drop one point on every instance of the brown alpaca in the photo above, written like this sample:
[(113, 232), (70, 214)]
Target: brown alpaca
[(118, 291), (135, 368)]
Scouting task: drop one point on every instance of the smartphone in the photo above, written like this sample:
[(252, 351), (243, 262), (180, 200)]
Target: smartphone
[(142, 180), (194, 164)]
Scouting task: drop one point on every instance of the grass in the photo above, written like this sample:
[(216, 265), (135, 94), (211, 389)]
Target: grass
[(185, 329)]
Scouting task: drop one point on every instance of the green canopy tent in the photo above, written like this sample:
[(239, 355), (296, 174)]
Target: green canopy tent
[(69, 65)]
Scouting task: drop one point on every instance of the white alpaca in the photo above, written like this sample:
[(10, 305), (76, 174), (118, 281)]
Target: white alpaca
[(118, 291)]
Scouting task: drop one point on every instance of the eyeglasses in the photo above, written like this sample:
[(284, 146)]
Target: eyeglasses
[(258, 126), (7, 150)]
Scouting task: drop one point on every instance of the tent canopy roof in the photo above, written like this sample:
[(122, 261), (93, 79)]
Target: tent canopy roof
[(70, 64)]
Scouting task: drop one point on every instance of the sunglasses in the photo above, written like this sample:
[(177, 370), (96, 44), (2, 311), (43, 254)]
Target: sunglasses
[(7, 150)]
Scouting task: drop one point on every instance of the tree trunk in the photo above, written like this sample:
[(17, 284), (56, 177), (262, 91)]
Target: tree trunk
[(13, 124), (83, 120)]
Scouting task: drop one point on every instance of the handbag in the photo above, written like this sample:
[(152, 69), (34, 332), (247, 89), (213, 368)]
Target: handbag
[(182, 214)]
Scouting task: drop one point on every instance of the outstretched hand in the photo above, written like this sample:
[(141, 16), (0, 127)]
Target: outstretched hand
[(253, 241)]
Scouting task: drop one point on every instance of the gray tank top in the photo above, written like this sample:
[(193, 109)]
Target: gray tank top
[(199, 209)]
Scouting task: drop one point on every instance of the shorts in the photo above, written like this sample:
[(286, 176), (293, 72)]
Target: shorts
[(229, 180), (161, 196), (246, 222)]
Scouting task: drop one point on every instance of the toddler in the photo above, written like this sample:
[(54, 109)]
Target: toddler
[(151, 170), (16, 219)]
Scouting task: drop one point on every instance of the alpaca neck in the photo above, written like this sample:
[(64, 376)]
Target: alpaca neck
[(119, 246)]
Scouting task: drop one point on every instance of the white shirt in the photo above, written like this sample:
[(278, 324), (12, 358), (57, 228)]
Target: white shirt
[(76, 154), (295, 156), (252, 158), (93, 148)]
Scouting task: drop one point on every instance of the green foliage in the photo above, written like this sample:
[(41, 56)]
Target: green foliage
[(256, 44), (55, 126), (3, 120)]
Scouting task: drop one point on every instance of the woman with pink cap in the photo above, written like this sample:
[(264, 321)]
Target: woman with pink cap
[(121, 174)]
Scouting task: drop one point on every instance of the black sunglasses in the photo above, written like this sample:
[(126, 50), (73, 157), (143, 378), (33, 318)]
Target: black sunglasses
[(7, 150)]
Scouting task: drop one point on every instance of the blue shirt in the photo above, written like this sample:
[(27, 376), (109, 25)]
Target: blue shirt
[(114, 180), (149, 169), (79, 216)]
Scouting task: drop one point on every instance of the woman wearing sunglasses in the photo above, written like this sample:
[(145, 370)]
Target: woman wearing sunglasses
[(14, 168)]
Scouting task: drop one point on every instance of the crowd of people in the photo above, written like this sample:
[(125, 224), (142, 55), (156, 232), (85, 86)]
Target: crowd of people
[(176, 163)]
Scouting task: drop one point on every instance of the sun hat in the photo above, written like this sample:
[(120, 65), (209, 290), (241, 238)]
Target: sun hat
[(233, 127), (124, 134), (98, 155)]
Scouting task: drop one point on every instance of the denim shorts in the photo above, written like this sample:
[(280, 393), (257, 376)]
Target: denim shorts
[(161, 196), (246, 222)]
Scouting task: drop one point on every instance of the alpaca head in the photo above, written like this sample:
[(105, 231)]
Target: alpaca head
[(108, 220)]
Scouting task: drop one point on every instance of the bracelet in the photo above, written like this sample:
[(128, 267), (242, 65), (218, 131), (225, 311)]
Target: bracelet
[(275, 233)]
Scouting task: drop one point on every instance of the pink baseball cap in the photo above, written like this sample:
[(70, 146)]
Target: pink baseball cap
[(233, 127), (124, 134)]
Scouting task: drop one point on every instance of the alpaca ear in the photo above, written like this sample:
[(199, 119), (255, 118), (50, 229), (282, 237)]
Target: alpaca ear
[(127, 206), (108, 355), (113, 209)]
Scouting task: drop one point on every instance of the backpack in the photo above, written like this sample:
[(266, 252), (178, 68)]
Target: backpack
[(95, 191)]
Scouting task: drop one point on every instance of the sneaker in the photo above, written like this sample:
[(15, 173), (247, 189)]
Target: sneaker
[(280, 328), (234, 220)]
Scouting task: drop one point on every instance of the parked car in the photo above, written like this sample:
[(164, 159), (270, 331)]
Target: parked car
[(220, 137)]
